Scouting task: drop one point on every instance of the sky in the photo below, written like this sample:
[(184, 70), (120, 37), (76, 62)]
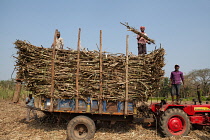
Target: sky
[(181, 26)]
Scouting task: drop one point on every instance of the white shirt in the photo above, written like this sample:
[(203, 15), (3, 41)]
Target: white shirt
[(59, 43)]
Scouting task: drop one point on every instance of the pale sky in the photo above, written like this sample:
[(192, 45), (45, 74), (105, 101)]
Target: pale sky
[(181, 26)]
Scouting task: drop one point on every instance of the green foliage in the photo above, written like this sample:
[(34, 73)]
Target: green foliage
[(164, 89), (7, 89), (208, 98)]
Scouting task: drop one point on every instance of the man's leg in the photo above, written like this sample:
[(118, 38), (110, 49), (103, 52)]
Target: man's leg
[(139, 49), (177, 99), (34, 113), (177, 93), (28, 114), (144, 49), (173, 92), (172, 98)]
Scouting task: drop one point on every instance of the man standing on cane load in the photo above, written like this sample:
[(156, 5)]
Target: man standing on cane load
[(176, 77), (59, 41), (30, 107), (142, 49)]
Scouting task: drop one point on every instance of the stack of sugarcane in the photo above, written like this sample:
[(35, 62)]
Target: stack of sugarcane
[(34, 64)]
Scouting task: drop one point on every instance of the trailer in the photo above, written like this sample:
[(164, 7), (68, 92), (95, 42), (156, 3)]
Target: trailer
[(171, 119), (86, 87), (82, 122)]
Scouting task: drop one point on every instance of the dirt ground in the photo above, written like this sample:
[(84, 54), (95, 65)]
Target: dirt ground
[(14, 127)]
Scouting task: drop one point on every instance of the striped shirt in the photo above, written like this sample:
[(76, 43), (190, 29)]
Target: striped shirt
[(176, 77)]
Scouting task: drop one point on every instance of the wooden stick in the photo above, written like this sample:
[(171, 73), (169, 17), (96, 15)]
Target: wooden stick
[(77, 74), (53, 72), (126, 77), (17, 91), (101, 70)]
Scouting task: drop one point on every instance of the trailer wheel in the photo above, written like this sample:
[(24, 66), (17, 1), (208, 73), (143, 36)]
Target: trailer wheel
[(174, 122), (80, 128)]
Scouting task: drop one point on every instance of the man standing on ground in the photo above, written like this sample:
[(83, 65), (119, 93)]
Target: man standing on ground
[(59, 41), (30, 107), (142, 42), (176, 77)]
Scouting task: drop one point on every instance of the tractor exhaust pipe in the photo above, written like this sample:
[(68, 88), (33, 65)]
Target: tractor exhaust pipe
[(199, 94)]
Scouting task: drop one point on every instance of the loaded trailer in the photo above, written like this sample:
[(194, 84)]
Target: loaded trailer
[(86, 86), (171, 119)]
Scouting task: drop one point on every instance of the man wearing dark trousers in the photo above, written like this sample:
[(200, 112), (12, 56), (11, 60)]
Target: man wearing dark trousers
[(176, 78), (142, 48)]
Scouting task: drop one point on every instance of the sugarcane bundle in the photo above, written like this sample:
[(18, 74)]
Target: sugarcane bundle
[(137, 32), (34, 66)]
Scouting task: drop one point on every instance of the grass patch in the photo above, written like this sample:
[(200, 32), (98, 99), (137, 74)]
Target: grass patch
[(7, 89)]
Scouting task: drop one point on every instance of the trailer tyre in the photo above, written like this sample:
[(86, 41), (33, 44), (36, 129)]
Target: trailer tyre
[(80, 128), (174, 122)]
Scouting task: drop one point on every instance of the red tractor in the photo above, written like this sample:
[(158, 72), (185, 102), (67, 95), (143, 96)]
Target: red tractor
[(176, 120)]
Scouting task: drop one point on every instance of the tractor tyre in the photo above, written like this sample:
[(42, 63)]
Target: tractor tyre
[(174, 122), (81, 128)]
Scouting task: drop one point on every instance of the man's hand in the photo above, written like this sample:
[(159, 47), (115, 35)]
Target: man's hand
[(27, 101)]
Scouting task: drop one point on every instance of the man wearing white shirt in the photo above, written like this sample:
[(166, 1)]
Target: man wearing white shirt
[(59, 42)]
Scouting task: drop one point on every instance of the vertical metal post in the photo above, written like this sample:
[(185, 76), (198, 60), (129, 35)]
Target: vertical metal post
[(101, 71), (126, 77), (77, 74), (53, 72)]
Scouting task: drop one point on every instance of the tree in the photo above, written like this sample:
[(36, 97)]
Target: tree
[(164, 89), (200, 77)]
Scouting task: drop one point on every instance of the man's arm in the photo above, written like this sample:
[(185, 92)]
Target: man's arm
[(182, 77), (171, 79), (138, 37), (147, 41), (27, 100), (62, 43)]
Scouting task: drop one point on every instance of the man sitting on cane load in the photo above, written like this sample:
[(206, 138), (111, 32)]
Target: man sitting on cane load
[(59, 41)]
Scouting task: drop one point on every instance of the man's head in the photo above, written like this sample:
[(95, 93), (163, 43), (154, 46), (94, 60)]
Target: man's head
[(58, 34), (176, 67), (142, 28), (30, 96)]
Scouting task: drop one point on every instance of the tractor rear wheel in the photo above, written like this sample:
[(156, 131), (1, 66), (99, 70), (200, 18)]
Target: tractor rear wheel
[(81, 128), (174, 122)]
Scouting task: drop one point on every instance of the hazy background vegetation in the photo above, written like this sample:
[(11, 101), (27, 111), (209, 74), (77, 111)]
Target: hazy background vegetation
[(7, 89)]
